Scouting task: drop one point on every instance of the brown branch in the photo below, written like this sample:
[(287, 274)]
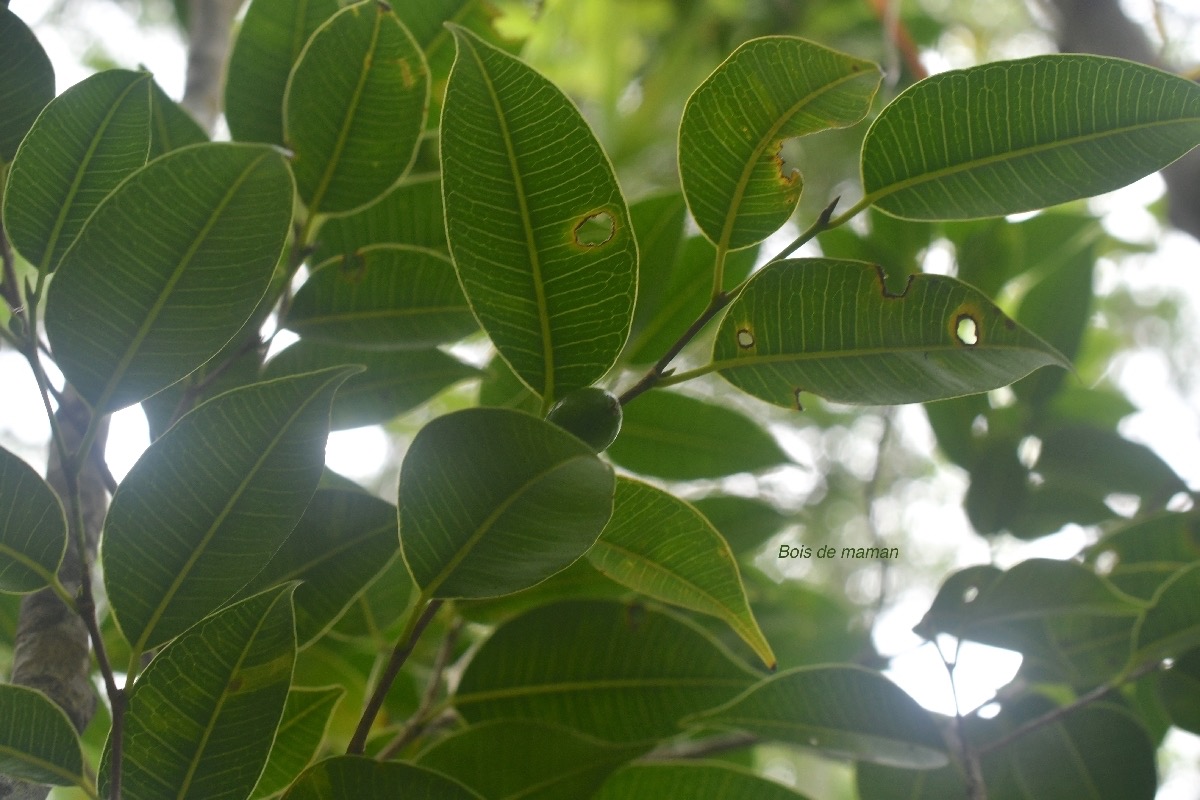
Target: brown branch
[(420, 718), (210, 29)]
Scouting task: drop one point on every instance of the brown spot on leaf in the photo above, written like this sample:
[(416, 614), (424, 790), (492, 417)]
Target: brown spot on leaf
[(796, 395), (353, 268), (406, 73)]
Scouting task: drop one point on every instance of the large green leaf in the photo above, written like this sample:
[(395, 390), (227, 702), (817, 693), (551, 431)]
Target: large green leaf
[(493, 501), (1149, 551), (87, 141), (845, 710), (169, 268), (734, 126), (673, 436), (37, 741), (383, 297), (409, 214), (1097, 752), (391, 384), (617, 672), (663, 548), (354, 108), (1018, 135), (1172, 625), (211, 500), (33, 528), (170, 126), (526, 760), (26, 81), (202, 716), (1179, 690), (744, 522), (269, 41), (831, 328), (344, 541), (358, 778), (658, 780), (298, 740), (537, 225)]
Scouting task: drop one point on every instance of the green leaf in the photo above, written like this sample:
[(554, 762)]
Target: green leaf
[(844, 710), (673, 436), (26, 82), (170, 126), (1014, 136), (734, 126), (686, 289), (658, 226), (744, 522), (1148, 551), (202, 716), (493, 501), (37, 741), (33, 528), (1096, 752), (663, 548), (525, 760), (846, 338), (1101, 462), (1172, 625), (391, 384), (617, 672), (383, 297), (500, 386), (344, 541), (268, 44), (410, 214), (355, 107), (298, 740), (149, 291), (657, 780), (358, 778), (228, 482), (1179, 690), (87, 141), (524, 179)]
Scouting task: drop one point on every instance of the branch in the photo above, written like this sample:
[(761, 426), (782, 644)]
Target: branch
[(420, 718), (210, 29)]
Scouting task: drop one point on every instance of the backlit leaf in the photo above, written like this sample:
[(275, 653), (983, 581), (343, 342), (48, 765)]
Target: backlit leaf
[(525, 760), (844, 710), (354, 108), (228, 482), (734, 126), (660, 546), (33, 528), (493, 501), (831, 328), (409, 214), (657, 780), (1172, 625), (617, 672), (358, 778), (37, 741), (269, 41), (150, 291), (202, 716), (86, 142), (1014, 136), (537, 225), (673, 436), (298, 740), (26, 81), (383, 297)]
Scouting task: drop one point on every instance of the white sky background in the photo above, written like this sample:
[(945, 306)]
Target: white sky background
[(1168, 419)]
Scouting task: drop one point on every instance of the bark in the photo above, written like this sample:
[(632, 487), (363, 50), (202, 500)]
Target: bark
[(210, 31), (51, 651), (1101, 27)]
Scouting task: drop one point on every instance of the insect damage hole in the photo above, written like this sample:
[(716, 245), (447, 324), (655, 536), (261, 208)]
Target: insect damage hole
[(595, 229), (966, 330), (745, 338)]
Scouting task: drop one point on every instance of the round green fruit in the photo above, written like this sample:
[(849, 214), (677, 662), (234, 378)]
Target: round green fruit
[(592, 414)]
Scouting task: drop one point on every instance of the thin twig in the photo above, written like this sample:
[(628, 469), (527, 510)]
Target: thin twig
[(420, 718), (403, 649)]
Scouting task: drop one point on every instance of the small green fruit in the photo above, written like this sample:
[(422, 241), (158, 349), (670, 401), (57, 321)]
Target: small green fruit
[(592, 414)]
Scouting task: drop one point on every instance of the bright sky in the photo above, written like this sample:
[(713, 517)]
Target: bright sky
[(1168, 419)]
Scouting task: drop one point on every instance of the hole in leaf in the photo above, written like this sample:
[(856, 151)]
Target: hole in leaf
[(966, 330), (745, 338), (1123, 504), (970, 594), (595, 229), (1107, 561), (989, 711)]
